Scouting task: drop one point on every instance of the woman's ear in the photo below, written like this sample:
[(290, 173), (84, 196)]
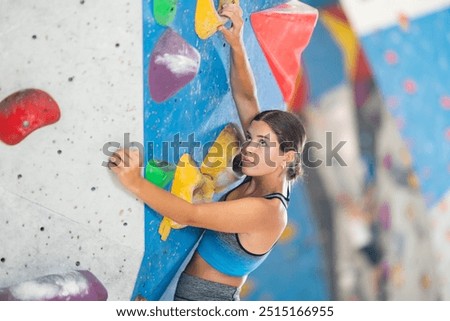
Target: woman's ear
[(289, 156)]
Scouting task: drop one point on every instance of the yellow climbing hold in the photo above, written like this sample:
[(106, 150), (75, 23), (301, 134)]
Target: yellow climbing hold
[(218, 163), (413, 181), (196, 185), (425, 281), (288, 234), (207, 20), (187, 179), (247, 288)]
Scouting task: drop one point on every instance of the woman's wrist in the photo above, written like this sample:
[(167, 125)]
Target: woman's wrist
[(136, 185), (237, 45)]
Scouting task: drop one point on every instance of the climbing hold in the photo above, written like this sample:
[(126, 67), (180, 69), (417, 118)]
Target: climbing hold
[(413, 181), (387, 161), (288, 234), (25, 111), (410, 86), (425, 281), (73, 286), (403, 21), (173, 64), (207, 20), (247, 288), (218, 162), (384, 216), (216, 172), (187, 178), (397, 275), (445, 102), (283, 32), (159, 173), (164, 11), (391, 57)]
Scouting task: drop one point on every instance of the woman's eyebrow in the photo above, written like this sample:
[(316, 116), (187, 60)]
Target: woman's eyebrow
[(265, 136)]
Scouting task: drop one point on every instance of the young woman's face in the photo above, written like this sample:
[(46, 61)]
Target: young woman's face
[(261, 153)]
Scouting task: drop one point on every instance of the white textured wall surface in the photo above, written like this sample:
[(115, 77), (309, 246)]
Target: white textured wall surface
[(60, 209), (367, 16)]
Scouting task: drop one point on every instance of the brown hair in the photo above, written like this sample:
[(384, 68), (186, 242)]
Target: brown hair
[(291, 135)]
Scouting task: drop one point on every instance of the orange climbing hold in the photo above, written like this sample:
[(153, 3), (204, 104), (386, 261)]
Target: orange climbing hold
[(283, 32), (207, 20)]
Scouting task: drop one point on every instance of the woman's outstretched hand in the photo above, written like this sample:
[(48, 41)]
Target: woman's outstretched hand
[(126, 164), (233, 35)]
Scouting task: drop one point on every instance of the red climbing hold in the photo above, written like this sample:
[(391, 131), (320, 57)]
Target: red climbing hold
[(25, 111), (283, 32)]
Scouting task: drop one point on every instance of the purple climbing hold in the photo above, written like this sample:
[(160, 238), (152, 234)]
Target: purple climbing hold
[(72, 286), (173, 64), (387, 161)]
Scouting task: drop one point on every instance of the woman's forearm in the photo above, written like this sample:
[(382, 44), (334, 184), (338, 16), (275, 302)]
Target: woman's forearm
[(243, 85), (242, 80), (163, 202)]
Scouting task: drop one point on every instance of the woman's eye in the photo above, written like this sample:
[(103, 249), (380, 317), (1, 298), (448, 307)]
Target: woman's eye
[(247, 138), (262, 142)]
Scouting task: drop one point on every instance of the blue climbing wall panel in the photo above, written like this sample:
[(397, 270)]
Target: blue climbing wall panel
[(411, 66), (202, 108)]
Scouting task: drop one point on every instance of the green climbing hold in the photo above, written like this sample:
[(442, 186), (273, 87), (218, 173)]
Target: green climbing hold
[(164, 11), (159, 173)]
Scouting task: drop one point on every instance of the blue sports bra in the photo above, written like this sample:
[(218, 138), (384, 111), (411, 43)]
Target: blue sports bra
[(224, 251)]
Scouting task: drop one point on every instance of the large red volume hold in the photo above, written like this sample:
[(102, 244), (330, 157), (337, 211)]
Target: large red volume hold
[(283, 32), (25, 111)]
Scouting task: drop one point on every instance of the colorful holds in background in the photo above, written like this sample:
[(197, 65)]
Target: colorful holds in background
[(294, 21), (25, 111), (173, 64), (159, 173), (384, 216), (164, 11), (73, 286)]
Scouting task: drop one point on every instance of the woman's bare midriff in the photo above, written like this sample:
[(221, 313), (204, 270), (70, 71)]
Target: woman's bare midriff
[(198, 267)]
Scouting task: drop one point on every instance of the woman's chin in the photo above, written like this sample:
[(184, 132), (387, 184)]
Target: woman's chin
[(249, 170)]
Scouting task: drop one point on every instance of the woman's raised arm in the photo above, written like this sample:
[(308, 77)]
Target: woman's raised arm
[(243, 86)]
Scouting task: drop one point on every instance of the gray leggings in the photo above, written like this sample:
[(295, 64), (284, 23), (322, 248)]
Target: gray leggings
[(192, 288)]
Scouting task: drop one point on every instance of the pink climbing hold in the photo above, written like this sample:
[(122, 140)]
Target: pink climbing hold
[(173, 64), (410, 86), (283, 32), (73, 286), (391, 57), (445, 102), (387, 161), (385, 216), (25, 111), (392, 102)]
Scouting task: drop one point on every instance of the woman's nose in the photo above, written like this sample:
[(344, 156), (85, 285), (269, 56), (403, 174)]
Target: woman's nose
[(249, 147)]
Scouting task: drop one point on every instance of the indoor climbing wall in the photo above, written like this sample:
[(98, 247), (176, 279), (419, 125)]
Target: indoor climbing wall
[(408, 49), (81, 83), (75, 77), (196, 104)]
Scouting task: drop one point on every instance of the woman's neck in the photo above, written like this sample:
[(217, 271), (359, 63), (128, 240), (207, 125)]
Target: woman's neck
[(267, 184)]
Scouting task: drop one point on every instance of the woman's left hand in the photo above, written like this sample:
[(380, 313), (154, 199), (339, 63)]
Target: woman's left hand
[(126, 164)]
